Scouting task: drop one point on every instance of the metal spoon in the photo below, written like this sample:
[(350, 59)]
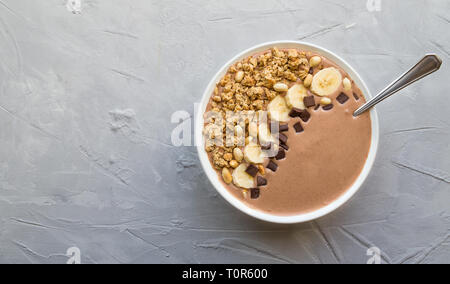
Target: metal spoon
[(429, 64)]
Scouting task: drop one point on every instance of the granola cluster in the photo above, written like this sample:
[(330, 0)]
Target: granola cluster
[(248, 86)]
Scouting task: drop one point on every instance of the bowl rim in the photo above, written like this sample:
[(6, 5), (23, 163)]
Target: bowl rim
[(214, 177)]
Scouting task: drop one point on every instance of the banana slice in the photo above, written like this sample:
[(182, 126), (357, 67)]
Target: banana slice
[(264, 134), (241, 178), (253, 153), (278, 109), (295, 95), (326, 81)]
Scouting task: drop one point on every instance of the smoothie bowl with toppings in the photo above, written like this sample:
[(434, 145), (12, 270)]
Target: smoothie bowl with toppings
[(276, 133)]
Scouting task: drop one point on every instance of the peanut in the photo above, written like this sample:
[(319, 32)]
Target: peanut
[(261, 170), (325, 101), (239, 131), (347, 84), (227, 178), (253, 129), (308, 80), (238, 155), (280, 87), (315, 61), (234, 164), (239, 76)]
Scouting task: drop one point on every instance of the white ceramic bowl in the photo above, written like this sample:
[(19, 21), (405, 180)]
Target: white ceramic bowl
[(214, 177)]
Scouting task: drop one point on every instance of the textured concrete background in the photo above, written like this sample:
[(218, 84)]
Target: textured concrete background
[(85, 153)]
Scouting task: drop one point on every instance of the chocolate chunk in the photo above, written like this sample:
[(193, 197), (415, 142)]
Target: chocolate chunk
[(342, 98), (283, 138), (317, 107), (298, 127), (281, 154), (309, 101), (254, 193), (355, 96), (272, 166), (271, 153), (268, 150), (284, 127), (304, 115), (328, 107), (284, 146), (252, 170), (266, 146), (295, 112), (260, 181)]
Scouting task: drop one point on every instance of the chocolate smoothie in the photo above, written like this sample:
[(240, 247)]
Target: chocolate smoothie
[(316, 150)]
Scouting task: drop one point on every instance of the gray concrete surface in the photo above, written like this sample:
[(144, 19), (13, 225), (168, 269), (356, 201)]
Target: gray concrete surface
[(85, 153)]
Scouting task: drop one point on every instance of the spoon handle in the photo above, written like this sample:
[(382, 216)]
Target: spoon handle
[(429, 64)]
